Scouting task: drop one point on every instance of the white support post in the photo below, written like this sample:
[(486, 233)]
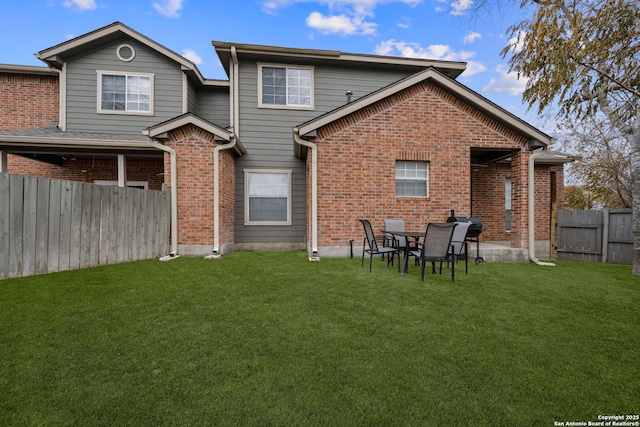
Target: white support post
[(3, 161), (122, 170)]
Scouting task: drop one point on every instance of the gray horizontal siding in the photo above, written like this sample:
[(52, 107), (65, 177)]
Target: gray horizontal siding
[(82, 89), (192, 99), (267, 136), (213, 105)]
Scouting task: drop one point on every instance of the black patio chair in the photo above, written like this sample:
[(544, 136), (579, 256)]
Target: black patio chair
[(370, 242), (400, 242), (460, 245), (437, 247)]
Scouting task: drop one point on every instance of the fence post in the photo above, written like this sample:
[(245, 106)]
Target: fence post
[(605, 235)]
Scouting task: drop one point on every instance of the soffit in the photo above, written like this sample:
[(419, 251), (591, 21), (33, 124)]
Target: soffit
[(320, 56)]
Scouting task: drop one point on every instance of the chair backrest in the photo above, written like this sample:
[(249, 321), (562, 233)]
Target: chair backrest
[(368, 232), (437, 239), (459, 234), (391, 225)]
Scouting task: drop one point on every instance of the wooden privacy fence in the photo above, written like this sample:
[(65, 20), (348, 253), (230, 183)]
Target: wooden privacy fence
[(596, 235), (48, 225)]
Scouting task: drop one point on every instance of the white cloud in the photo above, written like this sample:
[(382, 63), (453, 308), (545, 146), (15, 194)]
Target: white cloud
[(192, 56), (81, 4), (516, 44), (368, 4), (340, 24), (349, 17), (459, 7), (472, 37), (440, 52), (169, 8), (405, 23), (506, 82)]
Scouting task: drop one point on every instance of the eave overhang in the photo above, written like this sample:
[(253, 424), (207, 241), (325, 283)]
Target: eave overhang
[(28, 69), (223, 49)]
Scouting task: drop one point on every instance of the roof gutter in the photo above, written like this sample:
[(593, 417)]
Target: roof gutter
[(174, 198), (532, 203), (314, 192)]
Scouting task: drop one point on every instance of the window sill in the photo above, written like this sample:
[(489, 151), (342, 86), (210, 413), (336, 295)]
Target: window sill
[(286, 107), (125, 113)]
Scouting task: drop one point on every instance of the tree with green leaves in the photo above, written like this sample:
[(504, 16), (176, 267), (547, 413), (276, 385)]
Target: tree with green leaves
[(584, 56)]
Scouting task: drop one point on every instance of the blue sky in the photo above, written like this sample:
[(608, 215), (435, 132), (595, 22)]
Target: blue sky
[(434, 29)]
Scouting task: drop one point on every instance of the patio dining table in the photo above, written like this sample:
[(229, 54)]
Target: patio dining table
[(416, 235)]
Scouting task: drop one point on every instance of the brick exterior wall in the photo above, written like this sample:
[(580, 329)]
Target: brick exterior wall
[(88, 170), (28, 101), (489, 184), (356, 167), (195, 149)]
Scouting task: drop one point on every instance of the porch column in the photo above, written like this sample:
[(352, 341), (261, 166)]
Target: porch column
[(3, 161), (122, 170), (520, 199)]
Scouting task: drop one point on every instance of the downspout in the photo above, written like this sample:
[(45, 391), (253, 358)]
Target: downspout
[(532, 204), (216, 193), (174, 198), (233, 112), (314, 192)]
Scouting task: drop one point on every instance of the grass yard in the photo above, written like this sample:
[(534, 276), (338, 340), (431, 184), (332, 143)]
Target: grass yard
[(269, 338)]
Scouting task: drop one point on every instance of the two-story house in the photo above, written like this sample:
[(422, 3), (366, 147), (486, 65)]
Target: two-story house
[(288, 152)]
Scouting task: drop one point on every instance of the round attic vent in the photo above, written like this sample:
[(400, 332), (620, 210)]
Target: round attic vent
[(125, 52)]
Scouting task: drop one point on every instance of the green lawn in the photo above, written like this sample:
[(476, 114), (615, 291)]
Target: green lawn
[(270, 338)]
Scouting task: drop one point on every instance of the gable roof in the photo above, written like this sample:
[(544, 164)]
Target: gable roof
[(447, 83), (56, 56), (156, 131), (223, 49)]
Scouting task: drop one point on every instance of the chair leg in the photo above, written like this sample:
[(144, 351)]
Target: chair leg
[(370, 260), (422, 268), (453, 267)]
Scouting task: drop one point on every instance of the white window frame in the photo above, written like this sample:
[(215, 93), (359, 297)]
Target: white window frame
[(247, 172), (144, 184), (287, 106), (406, 177), (102, 73)]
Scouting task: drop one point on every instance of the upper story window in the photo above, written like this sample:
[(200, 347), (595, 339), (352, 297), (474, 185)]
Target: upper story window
[(282, 86), (125, 93), (412, 179)]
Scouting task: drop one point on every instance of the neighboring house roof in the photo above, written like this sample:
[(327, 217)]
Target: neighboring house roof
[(159, 130), (28, 69), (51, 136), (51, 144), (555, 157), (57, 55), (462, 92), (451, 68)]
